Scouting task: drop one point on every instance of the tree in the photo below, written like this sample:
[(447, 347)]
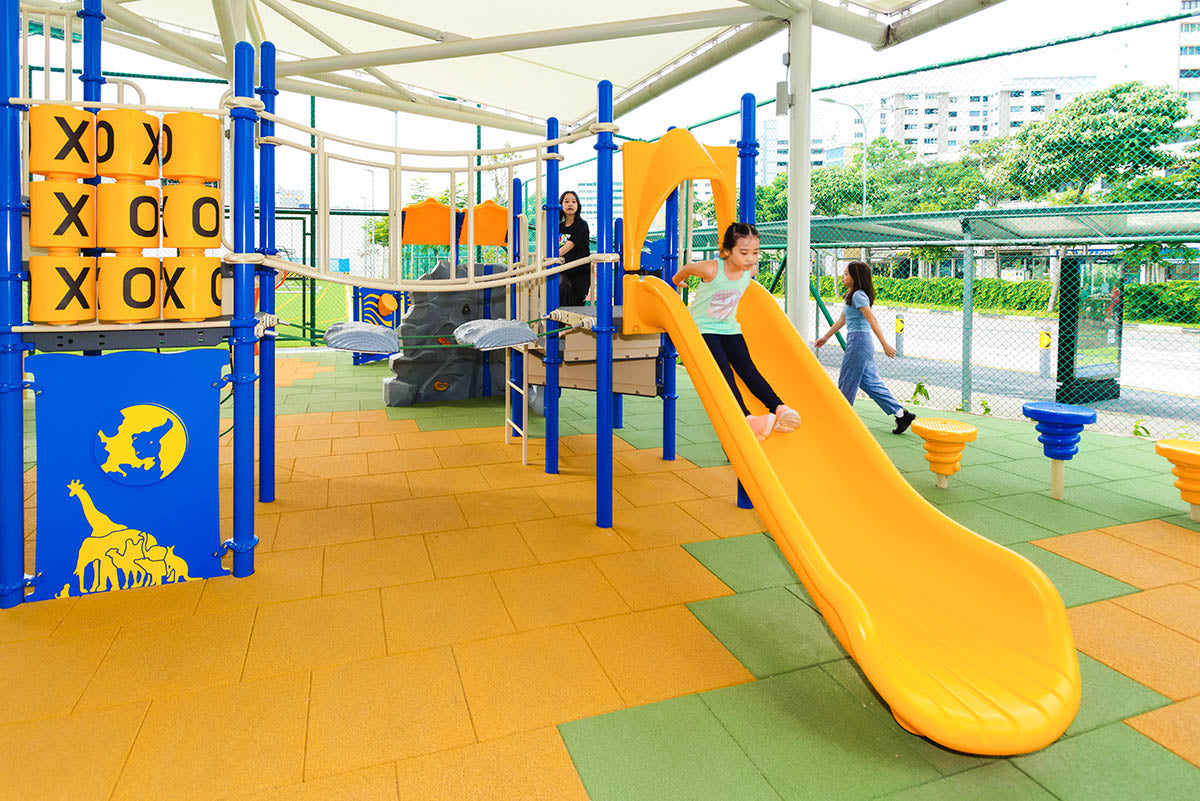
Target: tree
[(1105, 142)]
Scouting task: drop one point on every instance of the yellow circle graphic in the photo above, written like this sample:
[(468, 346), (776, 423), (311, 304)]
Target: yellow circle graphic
[(141, 444)]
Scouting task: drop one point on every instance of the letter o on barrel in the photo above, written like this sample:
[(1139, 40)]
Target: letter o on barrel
[(127, 289)]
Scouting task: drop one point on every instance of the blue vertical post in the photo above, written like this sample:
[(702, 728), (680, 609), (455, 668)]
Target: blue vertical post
[(266, 277), (618, 404), (747, 152), (12, 508), (670, 392), (518, 368), (243, 340), (92, 77), (604, 310), (553, 357)]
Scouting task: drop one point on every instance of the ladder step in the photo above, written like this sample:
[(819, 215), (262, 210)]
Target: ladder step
[(515, 388)]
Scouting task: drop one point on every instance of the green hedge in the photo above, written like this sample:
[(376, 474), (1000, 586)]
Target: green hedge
[(1170, 302)]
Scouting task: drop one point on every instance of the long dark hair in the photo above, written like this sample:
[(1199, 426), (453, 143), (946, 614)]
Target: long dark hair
[(578, 206), (736, 231), (860, 274)]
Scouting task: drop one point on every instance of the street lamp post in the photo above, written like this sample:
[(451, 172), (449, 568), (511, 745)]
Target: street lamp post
[(863, 122)]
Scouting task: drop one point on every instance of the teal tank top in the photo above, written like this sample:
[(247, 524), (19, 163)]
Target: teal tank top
[(714, 304)]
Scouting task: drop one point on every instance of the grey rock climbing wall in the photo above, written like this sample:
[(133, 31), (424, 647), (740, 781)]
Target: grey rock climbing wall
[(422, 375)]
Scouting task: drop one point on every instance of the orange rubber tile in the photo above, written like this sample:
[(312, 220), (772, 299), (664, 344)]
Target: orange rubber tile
[(294, 496), (387, 428), (315, 632), (146, 661), (177, 757), (428, 439), (1120, 559), (715, 482), (32, 621), (659, 577), (286, 433), (327, 431), (364, 416), (1152, 654), (443, 612), (281, 576), (489, 434), (1176, 607), (532, 680), (1165, 538), (364, 444), (665, 653), (399, 461), (444, 481), (586, 443), (478, 550), (512, 476), (1176, 727), (531, 766), (368, 489), (139, 605), (377, 783), (659, 526), (417, 516), (584, 464), (375, 563), (384, 709), (44, 678), (472, 455), (302, 449), (723, 516), (560, 592), (576, 495), (77, 757), (502, 506), (283, 473), (655, 488), (324, 527), (558, 539), (650, 461), (345, 466), (304, 419)]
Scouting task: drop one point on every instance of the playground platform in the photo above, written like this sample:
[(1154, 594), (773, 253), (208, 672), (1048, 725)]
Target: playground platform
[(430, 619)]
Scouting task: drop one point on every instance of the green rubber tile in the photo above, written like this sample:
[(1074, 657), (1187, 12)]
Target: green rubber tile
[(812, 739), (419, 412), (700, 435), (705, 455), (800, 592), (1059, 517), (334, 406), (1109, 464), (1013, 447), (690, 417), (1154, 489), (639, 439), (358, 394), (997, 526), (674, 749), (908, 460), (371, 405), (1075, 583), (1183, 520), (978, 456), (925, 483), (1038, 467), (946, 762), (744, 563), (643, 421), (995, 781), (1144, 457), (1123, 508), (1096, 439), (1110, 697), (998, 481), (1113, 763), (770, 631)]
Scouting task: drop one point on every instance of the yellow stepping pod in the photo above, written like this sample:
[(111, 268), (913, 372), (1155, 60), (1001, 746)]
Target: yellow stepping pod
[(966, 641), (944, 443), (1185, 455)]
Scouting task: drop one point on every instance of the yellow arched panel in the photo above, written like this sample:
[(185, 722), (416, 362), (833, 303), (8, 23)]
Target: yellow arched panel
[(652, 170)]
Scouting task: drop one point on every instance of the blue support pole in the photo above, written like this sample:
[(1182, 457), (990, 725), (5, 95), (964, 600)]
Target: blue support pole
[(12, 436), (92, 77), (670, 394), (553, 357), (517, 204), (243, 340), (266, 278), (618, 400), (604, 310), (747, 152)]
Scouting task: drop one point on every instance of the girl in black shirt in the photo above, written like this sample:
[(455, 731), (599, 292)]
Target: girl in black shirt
[(574, 244)]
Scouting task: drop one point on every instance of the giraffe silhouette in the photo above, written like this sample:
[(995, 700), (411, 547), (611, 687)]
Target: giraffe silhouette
[(96, 549)]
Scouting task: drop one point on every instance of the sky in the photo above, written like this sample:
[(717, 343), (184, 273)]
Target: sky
[(1149, 55)]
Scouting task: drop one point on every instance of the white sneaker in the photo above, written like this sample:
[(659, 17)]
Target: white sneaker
[(786, 419)]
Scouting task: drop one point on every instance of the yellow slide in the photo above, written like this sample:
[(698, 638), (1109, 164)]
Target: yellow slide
[(966, 641)]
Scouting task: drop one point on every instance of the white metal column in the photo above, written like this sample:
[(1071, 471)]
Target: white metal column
[(799, 170)]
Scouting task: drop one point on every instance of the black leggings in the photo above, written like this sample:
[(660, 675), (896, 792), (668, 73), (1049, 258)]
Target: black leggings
[(732, 355), (574, 285)]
